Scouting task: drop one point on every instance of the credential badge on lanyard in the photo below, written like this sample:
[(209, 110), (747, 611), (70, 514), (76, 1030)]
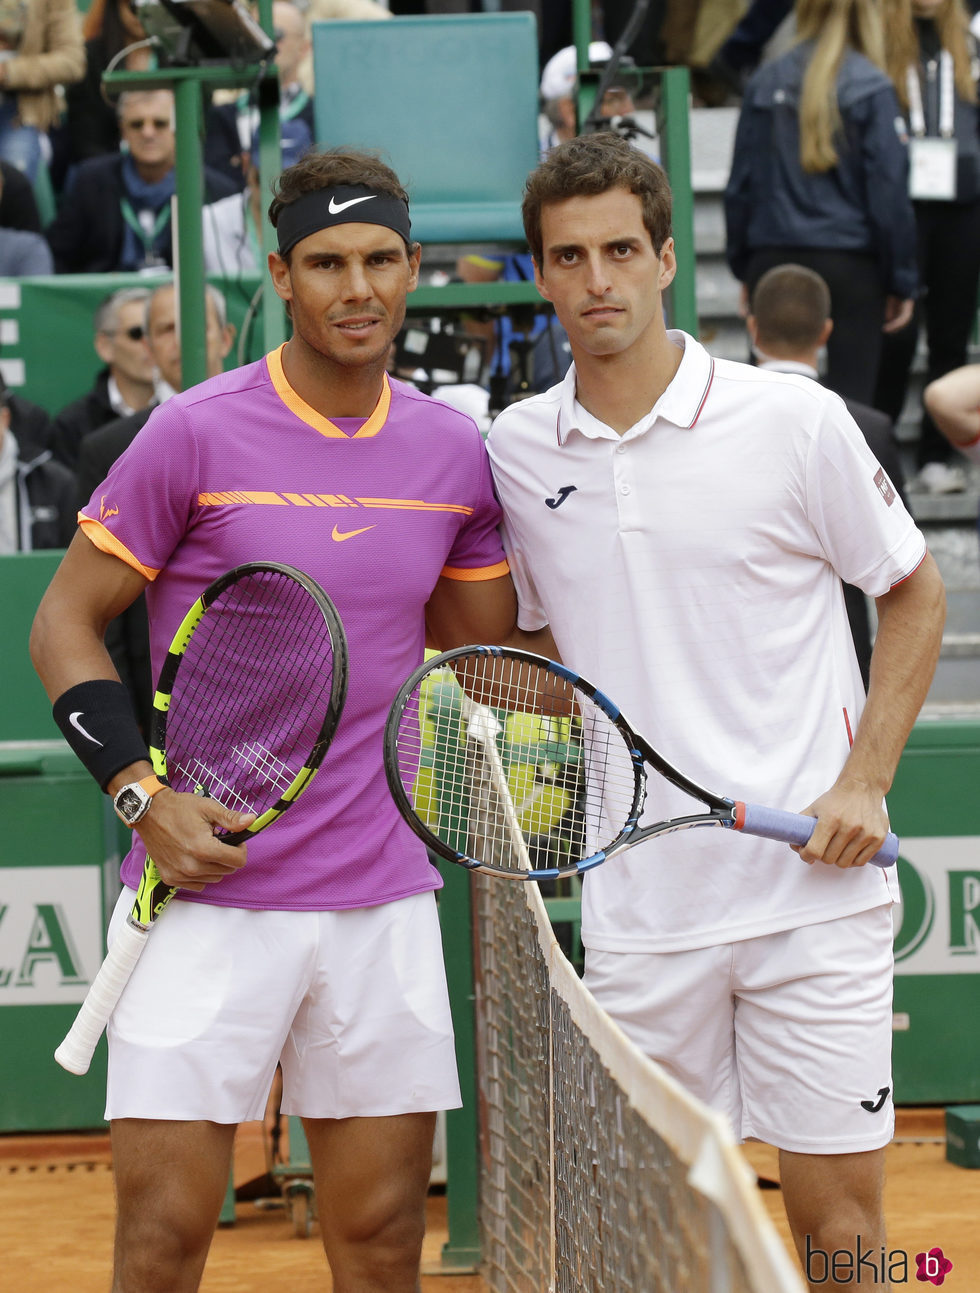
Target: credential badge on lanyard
[(932, 160)]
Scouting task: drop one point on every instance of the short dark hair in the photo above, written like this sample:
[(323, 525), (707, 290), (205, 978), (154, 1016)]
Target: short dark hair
[(790, 304), (587, 166), (330, 169)]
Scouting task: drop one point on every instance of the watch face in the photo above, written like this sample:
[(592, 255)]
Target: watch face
[(128, 803)]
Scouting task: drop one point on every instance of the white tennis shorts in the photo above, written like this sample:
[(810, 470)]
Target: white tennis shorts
[(788, 1034), (353, 1003)]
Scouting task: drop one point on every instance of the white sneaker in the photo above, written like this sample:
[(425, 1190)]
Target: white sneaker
[(942, 478)]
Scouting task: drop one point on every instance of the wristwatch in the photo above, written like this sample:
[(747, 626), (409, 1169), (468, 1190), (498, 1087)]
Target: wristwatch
[(132, 802)]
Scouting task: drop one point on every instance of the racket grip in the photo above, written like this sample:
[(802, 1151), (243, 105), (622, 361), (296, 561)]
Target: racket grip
[(76, 1051), (793, 828)]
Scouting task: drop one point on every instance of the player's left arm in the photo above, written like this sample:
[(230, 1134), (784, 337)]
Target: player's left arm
[(463, 612), (851, 821)]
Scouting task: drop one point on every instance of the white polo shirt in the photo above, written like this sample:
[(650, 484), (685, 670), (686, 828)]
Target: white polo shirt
[(691, 568)]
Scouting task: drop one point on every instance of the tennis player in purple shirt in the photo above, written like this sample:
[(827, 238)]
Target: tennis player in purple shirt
[(320, 950)]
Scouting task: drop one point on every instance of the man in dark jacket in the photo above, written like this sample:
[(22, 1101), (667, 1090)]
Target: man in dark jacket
[(229, 127), (115, 214), (123, 386), (789, 325), (37, 494)]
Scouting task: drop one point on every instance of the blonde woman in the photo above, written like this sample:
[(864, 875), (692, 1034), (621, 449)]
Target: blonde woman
[(820, 178), (932, 61)]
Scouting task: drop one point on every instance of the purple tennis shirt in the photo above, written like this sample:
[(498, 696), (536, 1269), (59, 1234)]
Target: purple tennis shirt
[(376, 510)]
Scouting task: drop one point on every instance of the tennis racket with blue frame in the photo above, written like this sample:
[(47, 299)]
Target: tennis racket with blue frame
[(514, 765)]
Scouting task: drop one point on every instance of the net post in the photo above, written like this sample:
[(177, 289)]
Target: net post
[(462, 1251)]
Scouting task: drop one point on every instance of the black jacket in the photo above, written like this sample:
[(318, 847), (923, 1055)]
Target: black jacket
[(45, 501), (18, 206), (86, 236), (89, 412)]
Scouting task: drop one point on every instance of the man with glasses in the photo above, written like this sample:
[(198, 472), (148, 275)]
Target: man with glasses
[(230, 125), (122, 386), (116, 210)]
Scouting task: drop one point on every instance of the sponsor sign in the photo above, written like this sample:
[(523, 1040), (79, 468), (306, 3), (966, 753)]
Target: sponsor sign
[(51, 943)]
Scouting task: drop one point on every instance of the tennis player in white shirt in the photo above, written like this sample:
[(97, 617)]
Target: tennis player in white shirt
[(681, 526)]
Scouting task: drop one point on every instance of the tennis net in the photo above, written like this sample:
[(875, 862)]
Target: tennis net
[(598, 1173)]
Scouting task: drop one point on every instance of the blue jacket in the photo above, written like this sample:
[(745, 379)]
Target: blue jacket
[(862, 205)]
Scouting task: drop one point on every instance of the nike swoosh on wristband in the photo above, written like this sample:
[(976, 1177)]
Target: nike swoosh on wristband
[(335, 207), (73, 719), (341, 535)]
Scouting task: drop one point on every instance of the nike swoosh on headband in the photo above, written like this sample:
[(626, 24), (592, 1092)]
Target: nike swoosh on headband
[(73, 719), (335, 207)]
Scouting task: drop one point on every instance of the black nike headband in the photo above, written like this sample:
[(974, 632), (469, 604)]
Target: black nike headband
[(345, 204)]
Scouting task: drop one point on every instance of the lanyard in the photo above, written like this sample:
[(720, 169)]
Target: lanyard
[(917, 118), (248, 113), (294, 106), (146, 225)]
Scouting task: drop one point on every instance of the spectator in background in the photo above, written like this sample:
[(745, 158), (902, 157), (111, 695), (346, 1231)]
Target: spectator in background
[(559, 86), (122, 386), (24, 255), (233, 225), (40, 50), (18, 205), (820, 178), (230, 126), (789, 324), (23, 252), (127, 636), (931, 61), (953, 401), (30, 423), (37, 494), (109, 27), (116, 210)]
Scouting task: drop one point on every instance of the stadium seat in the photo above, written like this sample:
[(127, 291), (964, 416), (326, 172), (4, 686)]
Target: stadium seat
[(451, 102)]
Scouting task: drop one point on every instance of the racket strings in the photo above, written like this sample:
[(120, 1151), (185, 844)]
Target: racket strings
[(508, 763), (249, 693)]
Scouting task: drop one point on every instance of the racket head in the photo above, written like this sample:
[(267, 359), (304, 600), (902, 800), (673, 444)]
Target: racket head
[(508, 763), (251, 692)]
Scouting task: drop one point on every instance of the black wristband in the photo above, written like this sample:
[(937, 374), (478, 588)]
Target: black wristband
[(96, 719)]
